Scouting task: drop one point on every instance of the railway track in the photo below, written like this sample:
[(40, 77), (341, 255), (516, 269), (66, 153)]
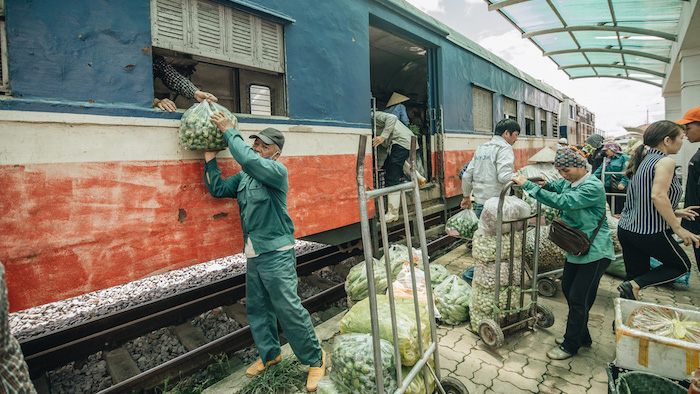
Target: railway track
[(54, 349)]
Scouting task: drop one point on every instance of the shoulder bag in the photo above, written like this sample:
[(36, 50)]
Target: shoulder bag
[(571, 239)]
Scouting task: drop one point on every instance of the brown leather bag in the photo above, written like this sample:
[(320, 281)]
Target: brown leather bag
[(571, 239)]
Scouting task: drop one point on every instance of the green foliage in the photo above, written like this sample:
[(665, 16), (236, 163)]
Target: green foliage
[(285, 376), (196, 383), (414, 129)]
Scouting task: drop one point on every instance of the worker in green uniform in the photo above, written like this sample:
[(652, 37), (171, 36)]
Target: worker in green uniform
[(268, 235)]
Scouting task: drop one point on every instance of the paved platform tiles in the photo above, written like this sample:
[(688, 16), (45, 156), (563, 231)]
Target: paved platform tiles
[(521, 365)]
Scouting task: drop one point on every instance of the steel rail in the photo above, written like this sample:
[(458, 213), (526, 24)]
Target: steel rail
[(201, 357)]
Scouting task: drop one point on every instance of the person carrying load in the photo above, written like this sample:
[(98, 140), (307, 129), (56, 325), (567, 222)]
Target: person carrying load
[(268, 235)]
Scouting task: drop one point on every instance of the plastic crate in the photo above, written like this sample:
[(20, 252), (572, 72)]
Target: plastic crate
[(641, 351)]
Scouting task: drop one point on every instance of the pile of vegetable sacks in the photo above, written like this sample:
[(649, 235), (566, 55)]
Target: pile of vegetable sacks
[(484, 246), (551, 256), (197, 132), (548, 213), (353, 370), (483, 303), (356, 285), (398, 255), (513, 209), (452, 298), (357, 320), (438, 273), (485, 273), (463, 224)]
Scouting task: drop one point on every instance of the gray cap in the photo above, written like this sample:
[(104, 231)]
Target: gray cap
[(270, 136), (596, 140)]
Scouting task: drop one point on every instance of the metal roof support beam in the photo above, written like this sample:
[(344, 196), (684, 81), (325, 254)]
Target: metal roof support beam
[(505, 3), (618, 77), (620, 29), (624, 67), (617, 51)]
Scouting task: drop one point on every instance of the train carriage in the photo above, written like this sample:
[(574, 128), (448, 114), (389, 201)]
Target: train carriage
[(97, 189)]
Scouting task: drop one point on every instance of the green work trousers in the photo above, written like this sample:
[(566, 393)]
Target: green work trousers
[(271, 295)]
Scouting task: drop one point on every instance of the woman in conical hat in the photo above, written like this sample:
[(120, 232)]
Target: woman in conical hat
[(394, 107)]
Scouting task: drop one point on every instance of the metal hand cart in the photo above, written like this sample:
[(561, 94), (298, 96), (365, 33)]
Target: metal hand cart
[(545, 279), (516, 315), (447, 385)]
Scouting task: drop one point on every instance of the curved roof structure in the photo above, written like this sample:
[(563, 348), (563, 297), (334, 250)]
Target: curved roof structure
[(626, 39)]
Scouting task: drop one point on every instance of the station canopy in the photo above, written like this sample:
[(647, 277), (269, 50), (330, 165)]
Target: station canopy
[(625, 39)]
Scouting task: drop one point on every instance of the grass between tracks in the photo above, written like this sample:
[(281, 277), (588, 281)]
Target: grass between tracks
[(283, 377), (196, 383)]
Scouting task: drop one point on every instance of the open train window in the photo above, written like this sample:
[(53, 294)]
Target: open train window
[(222, 50), (529, 120)]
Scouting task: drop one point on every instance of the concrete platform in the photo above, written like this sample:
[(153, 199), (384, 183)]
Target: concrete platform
[(521, 366)]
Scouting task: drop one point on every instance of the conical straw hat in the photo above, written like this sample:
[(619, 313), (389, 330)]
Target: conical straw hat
[(396, 98), (545, 155)]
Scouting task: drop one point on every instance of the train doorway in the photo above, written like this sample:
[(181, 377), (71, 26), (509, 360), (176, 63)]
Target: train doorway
[(398, 65)]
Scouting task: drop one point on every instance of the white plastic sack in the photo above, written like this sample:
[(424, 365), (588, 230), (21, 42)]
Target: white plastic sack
[(513, 208)]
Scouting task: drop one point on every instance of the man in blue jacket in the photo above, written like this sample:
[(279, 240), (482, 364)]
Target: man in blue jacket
[(268, 235)]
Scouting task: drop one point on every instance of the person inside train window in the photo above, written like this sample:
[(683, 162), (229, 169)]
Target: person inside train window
[(394, 142), (691, 126), (268, 236), (596, 153), (14, 374), (395, 107), (491, 167), (176, 82), (581, 199)]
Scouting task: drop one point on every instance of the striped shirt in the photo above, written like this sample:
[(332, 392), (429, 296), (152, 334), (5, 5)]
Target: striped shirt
[(14, 375), (639, 214)]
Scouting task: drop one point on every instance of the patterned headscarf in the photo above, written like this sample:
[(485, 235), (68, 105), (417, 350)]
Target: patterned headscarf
[(568, 156), (613, 146)]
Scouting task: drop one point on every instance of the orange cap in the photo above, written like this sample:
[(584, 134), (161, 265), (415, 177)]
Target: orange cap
[(693, 115)]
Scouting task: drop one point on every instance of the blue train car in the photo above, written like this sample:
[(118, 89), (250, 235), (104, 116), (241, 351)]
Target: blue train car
[(98, 190)]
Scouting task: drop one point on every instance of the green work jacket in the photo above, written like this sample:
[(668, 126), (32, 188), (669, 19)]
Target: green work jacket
[(582, 207), (261, 191)]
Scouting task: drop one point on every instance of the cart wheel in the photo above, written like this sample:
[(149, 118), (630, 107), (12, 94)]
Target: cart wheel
[(491, 333), (546, 287), (453, 386), (545, 317)]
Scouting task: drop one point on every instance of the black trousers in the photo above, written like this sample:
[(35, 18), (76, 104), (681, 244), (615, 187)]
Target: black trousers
[(393, 165), (636, 250), (579, 283)]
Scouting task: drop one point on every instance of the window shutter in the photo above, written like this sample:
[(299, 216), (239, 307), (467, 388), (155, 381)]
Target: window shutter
[(483, 110), (270, 45), (510, 108), (241, 36), (529, 112), (208, 29), (169, 24), (260, 100)]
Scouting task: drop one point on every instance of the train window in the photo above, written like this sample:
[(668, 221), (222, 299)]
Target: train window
[(483, 110), (510, 108), (543, 123), (222, 50), (4, 70), (529, 120), (260, 102)]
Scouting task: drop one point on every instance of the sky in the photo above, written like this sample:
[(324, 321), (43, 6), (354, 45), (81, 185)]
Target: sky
[(615, 103)]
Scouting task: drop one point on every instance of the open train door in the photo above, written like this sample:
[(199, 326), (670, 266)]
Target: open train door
[(400, 63)]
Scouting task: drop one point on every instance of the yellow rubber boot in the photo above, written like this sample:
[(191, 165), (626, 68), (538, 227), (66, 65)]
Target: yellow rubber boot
[(315, 374), (258, 366), (392, 211)]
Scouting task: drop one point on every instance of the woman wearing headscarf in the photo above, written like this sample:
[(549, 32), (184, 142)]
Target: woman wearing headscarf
[(649, 219), (615, 161), (581, 199)]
